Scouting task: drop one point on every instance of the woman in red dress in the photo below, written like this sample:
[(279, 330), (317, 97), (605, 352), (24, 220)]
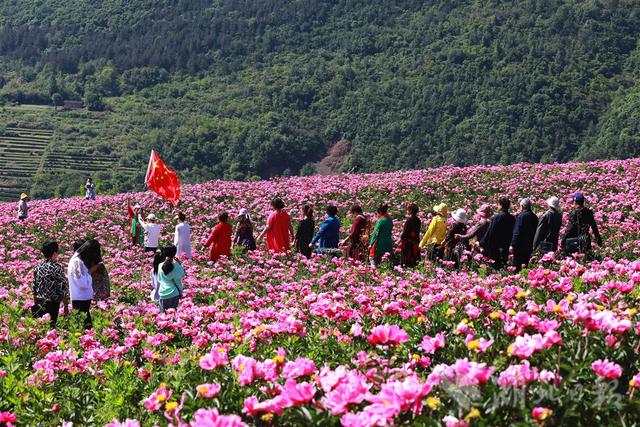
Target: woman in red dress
[(219, 240), (279, 231), (410, 238), (357, 238)]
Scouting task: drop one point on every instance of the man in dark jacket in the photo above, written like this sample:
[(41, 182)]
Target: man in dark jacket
[(495, 243), (581, 222), (524, 231), (548, 231)]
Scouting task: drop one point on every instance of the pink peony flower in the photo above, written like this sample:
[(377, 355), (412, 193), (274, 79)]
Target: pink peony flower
[(157, 399), (8, 418), (246, 368), (451, 421), (606, 369), (297, 393), (387, 335), (341, 392), (126, 423), (299, 368), (635, 381), (429, 345), (208, 390), (518, 375), (540, 413), (216, 358), (211, 418)]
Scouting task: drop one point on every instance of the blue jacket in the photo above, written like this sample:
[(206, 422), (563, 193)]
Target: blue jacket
[(328, 236)]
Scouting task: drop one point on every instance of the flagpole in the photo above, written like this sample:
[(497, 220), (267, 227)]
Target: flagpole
[(146, 176)]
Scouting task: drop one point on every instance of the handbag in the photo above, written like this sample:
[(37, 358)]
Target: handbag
[(101, 283), (580, 244)]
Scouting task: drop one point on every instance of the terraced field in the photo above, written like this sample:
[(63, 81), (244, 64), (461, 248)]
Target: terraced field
[(21, 155), (65, 157), (50, 153)]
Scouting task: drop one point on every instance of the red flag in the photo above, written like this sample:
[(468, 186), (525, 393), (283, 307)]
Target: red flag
[(162, 180)]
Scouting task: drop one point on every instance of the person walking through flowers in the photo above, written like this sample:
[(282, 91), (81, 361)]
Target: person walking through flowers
[(23, 207), (436, 232), (451, 244), (381, 242), (279, 232), (410, 238), (170, 275), (89, 190), (136, 233), (548, 231)]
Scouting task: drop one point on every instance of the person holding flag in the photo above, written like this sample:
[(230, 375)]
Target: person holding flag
[(135, 229)]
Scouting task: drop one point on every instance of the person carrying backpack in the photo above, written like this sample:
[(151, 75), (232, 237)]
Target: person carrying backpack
[(577, 236)]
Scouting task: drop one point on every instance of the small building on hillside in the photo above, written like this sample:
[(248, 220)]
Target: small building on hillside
[(70, 104)]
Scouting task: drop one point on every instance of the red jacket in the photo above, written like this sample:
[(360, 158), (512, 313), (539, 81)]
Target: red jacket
[(220, 241)]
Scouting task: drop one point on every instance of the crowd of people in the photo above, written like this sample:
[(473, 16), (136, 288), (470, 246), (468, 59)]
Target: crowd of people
[(447, 238)]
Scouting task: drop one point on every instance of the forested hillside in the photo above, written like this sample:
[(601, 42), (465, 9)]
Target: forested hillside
[(236, 89)]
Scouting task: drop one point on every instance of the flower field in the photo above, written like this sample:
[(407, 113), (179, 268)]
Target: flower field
[(264, 340)]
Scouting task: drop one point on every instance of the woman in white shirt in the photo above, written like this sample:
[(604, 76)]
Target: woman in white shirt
[(182, 238), (151, 233), (85, 260)]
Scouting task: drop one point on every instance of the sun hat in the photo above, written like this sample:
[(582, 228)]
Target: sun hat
[(553, 202), (151, 217), (485, 210), (441, 208), (24, 196), (460, 216)]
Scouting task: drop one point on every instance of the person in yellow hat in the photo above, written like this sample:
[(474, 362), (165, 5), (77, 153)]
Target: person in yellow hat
[(23, 207), (435, 234)]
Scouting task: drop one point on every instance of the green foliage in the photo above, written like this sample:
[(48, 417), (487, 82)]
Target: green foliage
[(237, 89), (57, 99)]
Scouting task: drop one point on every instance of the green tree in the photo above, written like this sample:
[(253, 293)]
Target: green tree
[(57, 99)]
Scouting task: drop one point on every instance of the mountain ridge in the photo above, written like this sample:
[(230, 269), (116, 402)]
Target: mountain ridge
[(242, 89)]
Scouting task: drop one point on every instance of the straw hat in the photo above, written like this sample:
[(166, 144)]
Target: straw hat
[(24, 196), (460, 216), (553, 202), (441, 208)]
